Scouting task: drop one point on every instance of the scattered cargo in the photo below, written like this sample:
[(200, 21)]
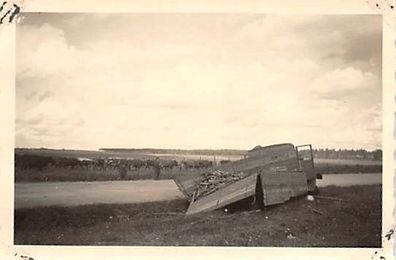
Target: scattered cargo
[(215, 180)]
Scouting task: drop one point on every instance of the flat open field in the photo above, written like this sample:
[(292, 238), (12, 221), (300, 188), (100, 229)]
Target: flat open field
[(346, 162), (354, 221), (45, 165), (56, 174)]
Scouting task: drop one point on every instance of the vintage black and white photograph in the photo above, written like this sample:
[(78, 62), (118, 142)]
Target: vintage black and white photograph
[(198, 129)]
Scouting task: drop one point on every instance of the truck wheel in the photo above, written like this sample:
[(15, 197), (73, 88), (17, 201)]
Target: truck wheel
[(316, 191)]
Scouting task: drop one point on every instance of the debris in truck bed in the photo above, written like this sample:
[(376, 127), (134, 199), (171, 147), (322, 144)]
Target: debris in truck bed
[(215, 180)]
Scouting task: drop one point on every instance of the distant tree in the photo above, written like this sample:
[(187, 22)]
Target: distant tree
[(27, 161), (122, 170), (377, 155)]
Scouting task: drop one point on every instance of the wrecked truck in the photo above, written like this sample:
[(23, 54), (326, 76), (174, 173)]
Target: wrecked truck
[(270, 175)]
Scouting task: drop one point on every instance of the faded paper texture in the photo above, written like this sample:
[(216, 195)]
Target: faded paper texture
[(197, 75)]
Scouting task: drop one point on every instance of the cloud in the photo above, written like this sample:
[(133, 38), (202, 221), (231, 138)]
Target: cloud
[(197, 81), (41, 58), (45, 95), (339, 83)]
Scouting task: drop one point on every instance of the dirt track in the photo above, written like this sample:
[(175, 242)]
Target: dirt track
[(80, 193)]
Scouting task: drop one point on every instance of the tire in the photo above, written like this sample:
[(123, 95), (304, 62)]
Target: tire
[(316, 191)]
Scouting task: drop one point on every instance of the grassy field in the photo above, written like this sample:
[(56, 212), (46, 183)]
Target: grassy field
[(346, 161), (353, 222), (57, 174), (340, 166), (42, 165), (62, 174), (139, 153)]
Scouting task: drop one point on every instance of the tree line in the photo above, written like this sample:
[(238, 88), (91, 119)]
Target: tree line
[(40, 162), (348, 154)]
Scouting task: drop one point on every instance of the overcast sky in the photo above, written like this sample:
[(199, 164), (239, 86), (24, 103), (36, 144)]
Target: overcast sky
[(198, 81)]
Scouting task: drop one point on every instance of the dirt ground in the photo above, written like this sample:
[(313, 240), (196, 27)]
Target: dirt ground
[(354, 221), (28, 195)]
